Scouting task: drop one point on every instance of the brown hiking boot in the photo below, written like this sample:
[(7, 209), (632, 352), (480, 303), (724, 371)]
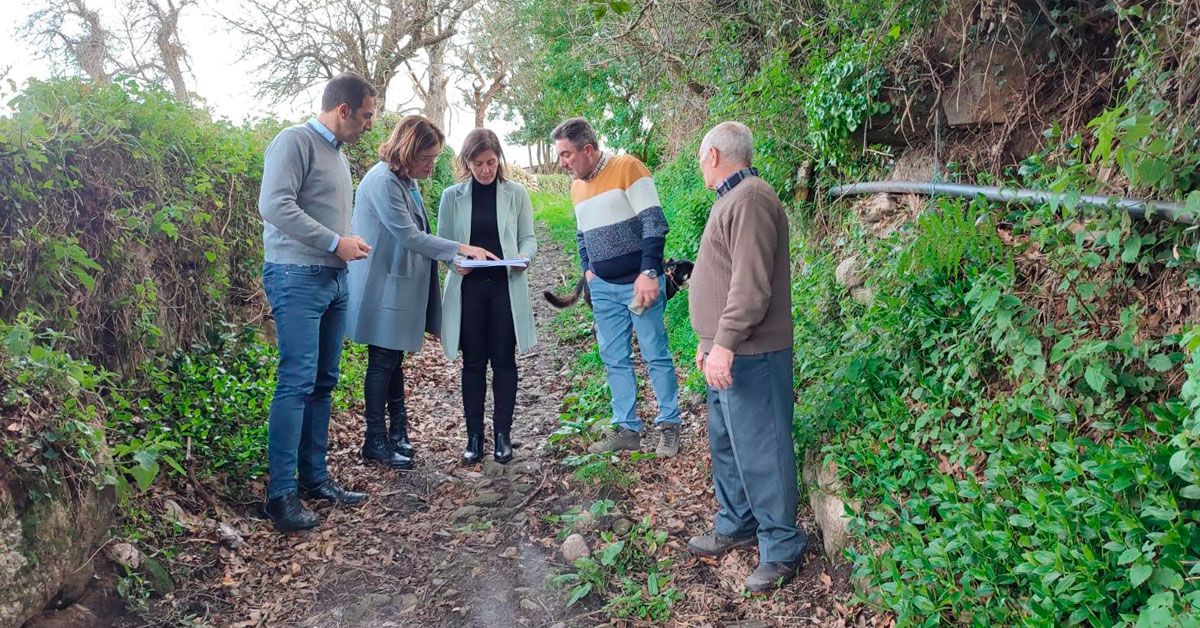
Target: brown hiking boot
[(668, 441), (713, 544), (620, 440), (771, 576)]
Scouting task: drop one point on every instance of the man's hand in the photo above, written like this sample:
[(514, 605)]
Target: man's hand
[(460, 270), (699, 359), (475, 252), (645, 291), (588, 276), (352, 247), (717, 368)]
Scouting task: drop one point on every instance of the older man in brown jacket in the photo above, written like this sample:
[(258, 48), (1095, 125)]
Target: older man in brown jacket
[(745, 351)]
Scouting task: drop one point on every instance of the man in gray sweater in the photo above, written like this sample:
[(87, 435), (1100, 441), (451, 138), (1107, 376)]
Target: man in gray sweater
[(306, 204), (745, 352)]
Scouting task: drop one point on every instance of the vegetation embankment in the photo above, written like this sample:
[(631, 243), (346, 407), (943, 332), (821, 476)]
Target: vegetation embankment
[(1008, 394), (136, 340)]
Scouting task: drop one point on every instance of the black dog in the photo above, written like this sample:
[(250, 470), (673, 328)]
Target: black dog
[(677, 271)]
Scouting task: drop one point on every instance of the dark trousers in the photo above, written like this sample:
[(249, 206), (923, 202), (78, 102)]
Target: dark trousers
[(754, 455), (488, 336), (383, 388)]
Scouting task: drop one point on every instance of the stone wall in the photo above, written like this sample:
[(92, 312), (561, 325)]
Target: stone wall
[(48, 532)]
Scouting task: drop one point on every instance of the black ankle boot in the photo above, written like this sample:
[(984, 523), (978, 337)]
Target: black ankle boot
[(503, 451), (378, 449), (398, 432), (330, 491), (474, 451), (288, 514)]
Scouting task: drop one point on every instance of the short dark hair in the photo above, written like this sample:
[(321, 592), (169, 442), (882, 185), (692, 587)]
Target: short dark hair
[(348, 88), (577, 131), (478, 142)]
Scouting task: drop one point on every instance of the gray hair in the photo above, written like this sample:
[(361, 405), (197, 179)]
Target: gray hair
[(577, 131), (732, 140)]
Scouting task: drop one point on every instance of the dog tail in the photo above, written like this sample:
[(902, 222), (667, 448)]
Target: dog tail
[(567, 301)]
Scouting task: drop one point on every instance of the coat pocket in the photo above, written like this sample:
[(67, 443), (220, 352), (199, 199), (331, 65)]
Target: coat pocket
[(399, 292)]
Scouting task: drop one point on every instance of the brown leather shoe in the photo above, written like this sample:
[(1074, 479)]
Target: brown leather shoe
[(713, 544)]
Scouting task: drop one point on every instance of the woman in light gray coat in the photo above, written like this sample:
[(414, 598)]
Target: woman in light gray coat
[(394, 295), (486, 311)]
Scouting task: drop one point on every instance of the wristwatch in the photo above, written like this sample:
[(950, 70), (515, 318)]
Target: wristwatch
[(651, 273)]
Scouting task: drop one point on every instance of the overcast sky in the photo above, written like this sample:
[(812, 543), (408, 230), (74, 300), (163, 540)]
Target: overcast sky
[(221, 78)]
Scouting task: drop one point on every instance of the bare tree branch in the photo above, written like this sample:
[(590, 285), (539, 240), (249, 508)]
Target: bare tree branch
[(171, 53), (301, 43), (144, 43), (72, 36), (487, 53)]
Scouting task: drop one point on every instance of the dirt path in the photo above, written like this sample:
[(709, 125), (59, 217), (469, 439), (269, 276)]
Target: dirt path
[(446, 545), (442, 545)]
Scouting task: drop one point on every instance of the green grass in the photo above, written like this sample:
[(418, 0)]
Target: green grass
[(557, 212)]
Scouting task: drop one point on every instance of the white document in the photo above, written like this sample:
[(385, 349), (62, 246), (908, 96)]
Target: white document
[(517, 262)]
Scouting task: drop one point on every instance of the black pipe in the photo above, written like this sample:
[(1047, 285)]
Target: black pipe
[(1136, 207)]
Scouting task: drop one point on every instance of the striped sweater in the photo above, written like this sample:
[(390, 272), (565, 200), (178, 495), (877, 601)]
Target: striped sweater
[(620, 226)]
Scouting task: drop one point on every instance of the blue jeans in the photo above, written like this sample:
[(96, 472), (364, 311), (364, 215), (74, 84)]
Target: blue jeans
[(309, 306), (754, 456), (614, 327)]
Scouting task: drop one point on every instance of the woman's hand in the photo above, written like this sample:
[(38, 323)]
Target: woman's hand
[(475, 252), (460, 270)]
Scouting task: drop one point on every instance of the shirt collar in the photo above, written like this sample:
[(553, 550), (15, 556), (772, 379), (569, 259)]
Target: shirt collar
[(324, 132), (732, 180), (599, 166)]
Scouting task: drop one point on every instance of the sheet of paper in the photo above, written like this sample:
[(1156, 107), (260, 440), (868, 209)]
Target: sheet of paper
[(518, 262)]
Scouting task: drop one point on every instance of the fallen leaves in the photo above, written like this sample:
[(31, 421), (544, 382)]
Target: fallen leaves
[(400, 560)]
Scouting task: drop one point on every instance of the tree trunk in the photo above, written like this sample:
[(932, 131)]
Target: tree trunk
[(91, 50), (380, 79), (436, 103), (480, 114), (92, 54), (172, 53)]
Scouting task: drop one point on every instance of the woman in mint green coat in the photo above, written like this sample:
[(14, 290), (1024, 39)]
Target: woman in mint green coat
[(486, 311), (394, 292)]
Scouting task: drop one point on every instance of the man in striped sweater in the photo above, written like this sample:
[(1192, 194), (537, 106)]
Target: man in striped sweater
[(621, 230)]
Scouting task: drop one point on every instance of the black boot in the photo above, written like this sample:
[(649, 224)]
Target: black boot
[(503, 451), (398, 431), (377, 449), (288, 514), (330, 491), (474, 451)]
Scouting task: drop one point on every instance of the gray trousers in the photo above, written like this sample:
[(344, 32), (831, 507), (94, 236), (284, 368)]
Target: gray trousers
[(753, 455)]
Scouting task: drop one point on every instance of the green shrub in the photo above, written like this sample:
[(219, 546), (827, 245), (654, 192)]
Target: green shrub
[(51, 412), (686, 203), (843, 94), (1019, 470), (130, 221), (212, 399)]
